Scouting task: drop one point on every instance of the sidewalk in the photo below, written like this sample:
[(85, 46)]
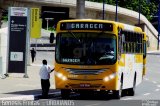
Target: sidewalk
[(15, 87), (18, 87)]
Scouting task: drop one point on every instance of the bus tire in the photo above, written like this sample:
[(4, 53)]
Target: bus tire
[(65, 93), (118, 93), (131, 91)]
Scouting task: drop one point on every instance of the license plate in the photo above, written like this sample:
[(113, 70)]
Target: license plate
[(85, 85)]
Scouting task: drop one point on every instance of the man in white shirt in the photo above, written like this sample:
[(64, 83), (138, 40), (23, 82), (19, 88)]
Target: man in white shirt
[(45, 76)]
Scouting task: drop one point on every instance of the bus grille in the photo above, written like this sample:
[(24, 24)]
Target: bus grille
[(84, 79), (85, 71)]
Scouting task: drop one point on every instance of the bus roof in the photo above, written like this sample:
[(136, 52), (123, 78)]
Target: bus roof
[(128, 27)]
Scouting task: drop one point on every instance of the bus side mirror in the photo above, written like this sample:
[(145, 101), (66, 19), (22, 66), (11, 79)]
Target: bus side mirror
[(51, 37)]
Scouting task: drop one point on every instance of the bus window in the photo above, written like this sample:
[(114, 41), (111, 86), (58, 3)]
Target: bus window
[(124, 47), (86, 48), (144, 49)]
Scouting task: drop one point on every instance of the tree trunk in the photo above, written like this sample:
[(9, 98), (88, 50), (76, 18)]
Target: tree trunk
[(80, 10)]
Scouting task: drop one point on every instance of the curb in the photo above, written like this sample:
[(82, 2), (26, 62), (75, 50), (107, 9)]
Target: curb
[(153, 53), (30, 97), (24, 97), (156, 52)]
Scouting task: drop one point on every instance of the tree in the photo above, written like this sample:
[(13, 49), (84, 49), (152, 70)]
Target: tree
[(148, 7)]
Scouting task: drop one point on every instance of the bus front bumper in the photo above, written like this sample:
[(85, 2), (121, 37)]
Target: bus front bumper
[(107, 83)]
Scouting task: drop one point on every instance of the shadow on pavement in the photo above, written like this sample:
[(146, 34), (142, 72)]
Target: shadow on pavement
[(95, 96), (31, 92), (27, 92)]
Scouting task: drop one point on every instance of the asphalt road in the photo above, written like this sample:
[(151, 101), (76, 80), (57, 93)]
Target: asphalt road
[(149, 89)]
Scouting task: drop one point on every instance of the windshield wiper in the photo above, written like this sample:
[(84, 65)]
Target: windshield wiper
[(74, 36)]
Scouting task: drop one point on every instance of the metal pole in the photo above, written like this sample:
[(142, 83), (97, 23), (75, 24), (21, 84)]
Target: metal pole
[(116, 17), (103, 9), (158, 24), (47, 24), (28, 37), (36, 49), (139, 9), (80, 10), (27, 42)]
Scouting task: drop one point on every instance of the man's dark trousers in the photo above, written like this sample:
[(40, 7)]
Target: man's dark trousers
[(45, 84)]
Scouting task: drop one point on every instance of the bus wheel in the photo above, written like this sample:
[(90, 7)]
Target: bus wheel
[(118, 93), (131, 91), (65, 93)]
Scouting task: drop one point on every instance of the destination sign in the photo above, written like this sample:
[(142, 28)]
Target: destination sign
[(86, 26)]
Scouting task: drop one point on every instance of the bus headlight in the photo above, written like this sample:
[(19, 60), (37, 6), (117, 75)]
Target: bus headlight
[(61, 76), (64, 78), (110, 77), (106, 79)]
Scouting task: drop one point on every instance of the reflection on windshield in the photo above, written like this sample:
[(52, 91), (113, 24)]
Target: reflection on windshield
[(93, 48)]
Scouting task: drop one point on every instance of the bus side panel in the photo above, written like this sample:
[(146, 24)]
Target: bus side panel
[(133, 65), (129, 71), (139, 68), (121, 68), (144, 66)]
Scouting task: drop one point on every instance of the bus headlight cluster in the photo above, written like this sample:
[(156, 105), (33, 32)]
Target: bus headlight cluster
[(110, 77), (61, 76)]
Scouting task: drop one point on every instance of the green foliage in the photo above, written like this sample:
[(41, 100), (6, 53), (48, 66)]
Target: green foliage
[(50, 29), (5, 18), (148, 7)]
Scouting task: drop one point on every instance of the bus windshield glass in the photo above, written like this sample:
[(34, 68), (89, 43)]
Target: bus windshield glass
[(86, 48)]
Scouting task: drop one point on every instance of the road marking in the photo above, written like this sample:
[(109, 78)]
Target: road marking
[(93, 104), (147, 94), (127, 99), (154, 82), (157, 90)]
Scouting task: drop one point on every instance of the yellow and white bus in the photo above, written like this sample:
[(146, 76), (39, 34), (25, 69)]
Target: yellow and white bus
[(99, 55)]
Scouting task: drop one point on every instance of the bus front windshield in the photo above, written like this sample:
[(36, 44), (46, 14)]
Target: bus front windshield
[(86, 48)]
